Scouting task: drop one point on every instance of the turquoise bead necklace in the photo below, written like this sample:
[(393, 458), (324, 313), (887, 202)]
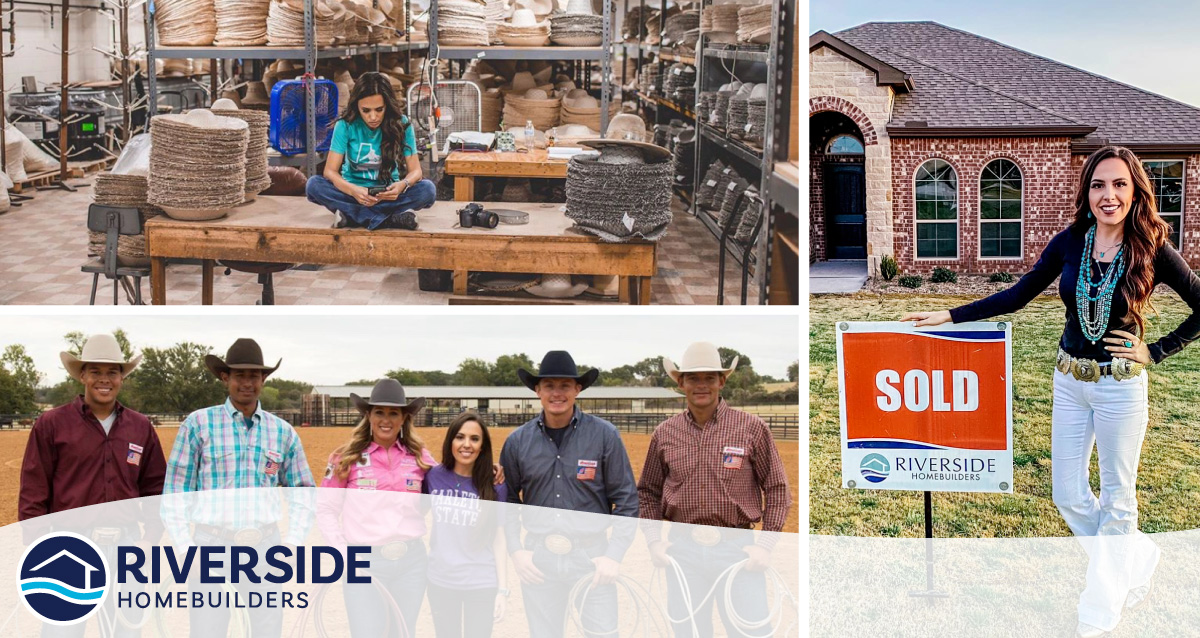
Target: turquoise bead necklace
[(1094, 309)]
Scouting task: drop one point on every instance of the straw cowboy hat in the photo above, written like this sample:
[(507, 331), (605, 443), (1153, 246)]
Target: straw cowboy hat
[(390, 394), (557, 364), (101, 348), (699, 357), (244, 354), (627, 126)]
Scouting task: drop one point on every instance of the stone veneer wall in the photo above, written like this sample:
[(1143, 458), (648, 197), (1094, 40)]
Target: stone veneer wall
[(837, 83)]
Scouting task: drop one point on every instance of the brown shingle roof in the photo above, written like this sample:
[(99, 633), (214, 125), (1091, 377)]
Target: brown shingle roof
[(964, 80)]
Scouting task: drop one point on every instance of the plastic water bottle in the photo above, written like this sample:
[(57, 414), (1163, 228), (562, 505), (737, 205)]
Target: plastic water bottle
[(529, 135)]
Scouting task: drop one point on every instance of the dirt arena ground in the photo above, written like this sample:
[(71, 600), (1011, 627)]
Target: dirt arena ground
[(320, 442)]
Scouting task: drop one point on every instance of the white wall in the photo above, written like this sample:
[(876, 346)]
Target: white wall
[(38, 35)]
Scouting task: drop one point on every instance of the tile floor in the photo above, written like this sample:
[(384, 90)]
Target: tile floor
[(45, 243)]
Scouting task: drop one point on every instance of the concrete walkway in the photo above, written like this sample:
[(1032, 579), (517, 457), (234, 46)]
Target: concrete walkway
[(837, 276)]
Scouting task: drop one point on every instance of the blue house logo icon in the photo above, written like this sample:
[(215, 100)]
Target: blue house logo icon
[(875, 468), (63, 578)]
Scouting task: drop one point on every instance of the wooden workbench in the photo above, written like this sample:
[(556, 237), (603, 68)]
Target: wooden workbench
[(296, 231), (465, 167)]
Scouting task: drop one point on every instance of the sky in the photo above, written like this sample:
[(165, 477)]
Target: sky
[(1148, 44), (331, 350)]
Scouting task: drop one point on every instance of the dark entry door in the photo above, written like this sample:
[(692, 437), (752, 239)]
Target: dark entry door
[(846, 211)]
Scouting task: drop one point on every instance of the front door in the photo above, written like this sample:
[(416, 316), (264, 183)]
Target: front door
[(846, 211)]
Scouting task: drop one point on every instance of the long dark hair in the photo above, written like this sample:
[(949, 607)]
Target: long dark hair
[(1145, 231), (393, 127), (483, 474)]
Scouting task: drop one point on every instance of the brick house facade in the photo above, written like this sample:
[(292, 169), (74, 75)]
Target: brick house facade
[(942, 148)]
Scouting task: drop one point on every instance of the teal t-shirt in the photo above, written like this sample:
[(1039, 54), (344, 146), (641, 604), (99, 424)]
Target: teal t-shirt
[(361, 151)]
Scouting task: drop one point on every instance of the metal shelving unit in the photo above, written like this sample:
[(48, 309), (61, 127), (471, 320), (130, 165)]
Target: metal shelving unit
[(783, 192), (586, 55), (310, 53), (746, 153)]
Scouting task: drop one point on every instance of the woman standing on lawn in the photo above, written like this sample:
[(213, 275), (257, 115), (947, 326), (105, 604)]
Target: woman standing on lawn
[(1110, 258)]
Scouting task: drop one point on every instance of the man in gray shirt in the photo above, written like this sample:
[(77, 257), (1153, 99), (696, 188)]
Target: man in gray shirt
[(568, 460)]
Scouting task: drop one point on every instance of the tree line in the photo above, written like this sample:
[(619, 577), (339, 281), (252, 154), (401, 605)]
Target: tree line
[(174, 379)]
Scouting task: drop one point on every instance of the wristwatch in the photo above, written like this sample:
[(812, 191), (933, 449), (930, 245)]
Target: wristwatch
[(406, 184)]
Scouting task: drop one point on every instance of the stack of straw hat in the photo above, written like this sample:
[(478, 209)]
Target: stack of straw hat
[(648, 78), (622, 194), (720, 108), (724, 26), (285, 23), (684, 150), (679, 24), (578, 27), (629, 27), (462, 23), (680, 83), (540, 8), (748, 214), (580, 108), (185, 22), (126, 191), (524, 30), (257, 178), (345, 84), (491, 108), (257, 97), (536, 105), (174, 68), (728, 208), (653, 28), (739, 109), (756, 116), (754, 24), (704, 105), (241, 23), (573, 134), (494, 13), (197, 164), (724, 179), (707, 185)]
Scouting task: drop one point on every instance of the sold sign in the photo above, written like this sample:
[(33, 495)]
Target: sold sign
[(926, 409)]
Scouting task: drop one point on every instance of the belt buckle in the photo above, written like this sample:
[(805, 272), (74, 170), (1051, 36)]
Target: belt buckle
[(706, 536), (394, 550), (558, 544), (106, 535), (249, 536), (1063, 364), (1085, 370), (1124, 369)]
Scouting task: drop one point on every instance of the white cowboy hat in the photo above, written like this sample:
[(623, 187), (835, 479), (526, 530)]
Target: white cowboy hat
[(556, 287), (101, 348), (523, 18), (699, 357)]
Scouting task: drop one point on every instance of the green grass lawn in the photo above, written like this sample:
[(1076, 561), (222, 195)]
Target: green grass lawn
[(1168, 480)]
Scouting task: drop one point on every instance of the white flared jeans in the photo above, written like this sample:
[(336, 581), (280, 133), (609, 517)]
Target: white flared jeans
[(1112, 416)]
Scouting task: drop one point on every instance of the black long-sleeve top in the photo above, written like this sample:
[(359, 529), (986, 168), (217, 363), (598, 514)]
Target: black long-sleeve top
[(1062, 256)]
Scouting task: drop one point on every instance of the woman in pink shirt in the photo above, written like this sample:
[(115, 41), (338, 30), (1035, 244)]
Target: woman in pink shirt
[(383, 457)]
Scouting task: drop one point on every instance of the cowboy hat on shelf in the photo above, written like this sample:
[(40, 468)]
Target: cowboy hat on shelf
[(100, 348), (244, 354), (557, 364), (699, 357), (387, 393)]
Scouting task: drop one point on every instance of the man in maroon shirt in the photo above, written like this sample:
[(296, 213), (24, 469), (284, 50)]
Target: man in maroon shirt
[(93, 450), (713, 467)]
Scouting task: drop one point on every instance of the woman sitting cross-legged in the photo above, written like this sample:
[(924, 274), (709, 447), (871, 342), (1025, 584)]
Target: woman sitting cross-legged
[(369, 140)]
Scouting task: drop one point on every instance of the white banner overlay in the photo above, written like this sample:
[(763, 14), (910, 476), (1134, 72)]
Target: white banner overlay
[(330, 562)]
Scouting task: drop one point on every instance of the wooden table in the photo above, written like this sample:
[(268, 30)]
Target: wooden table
[(294, 230), (465, 167)]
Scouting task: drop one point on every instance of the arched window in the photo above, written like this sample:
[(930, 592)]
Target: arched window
[(937, 211), (844, 145), (1000, 210)]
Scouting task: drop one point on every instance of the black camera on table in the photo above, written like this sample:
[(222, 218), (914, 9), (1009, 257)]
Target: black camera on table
[(474, 215)]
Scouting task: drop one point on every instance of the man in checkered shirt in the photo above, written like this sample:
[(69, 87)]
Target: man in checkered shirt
[(226, 447), (713, 466)]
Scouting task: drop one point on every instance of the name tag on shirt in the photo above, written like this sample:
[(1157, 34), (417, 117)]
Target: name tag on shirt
[(134, 456), (412, 484), (364, 460), (271, 467), (731, 457), (366, 484), (586, 470)]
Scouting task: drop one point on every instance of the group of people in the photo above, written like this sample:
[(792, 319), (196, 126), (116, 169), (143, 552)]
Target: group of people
[(711, 466)]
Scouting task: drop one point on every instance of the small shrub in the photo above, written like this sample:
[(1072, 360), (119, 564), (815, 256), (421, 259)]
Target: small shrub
[(888, 269), (911, 281), (1001, 278), (943, 275)]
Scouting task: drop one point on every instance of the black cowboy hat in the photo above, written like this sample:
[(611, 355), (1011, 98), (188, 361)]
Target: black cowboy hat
[(244, 354), (557, 364), (387, 393)]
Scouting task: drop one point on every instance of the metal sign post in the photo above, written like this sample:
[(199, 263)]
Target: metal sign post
[(929, 591)]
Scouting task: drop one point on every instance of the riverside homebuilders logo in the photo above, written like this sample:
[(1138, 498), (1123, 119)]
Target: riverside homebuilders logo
[(875, 468), (63, 578)]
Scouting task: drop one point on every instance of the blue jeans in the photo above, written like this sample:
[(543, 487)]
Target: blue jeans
[(404, 580), (701, 568), (322, 191), (546, 603)]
